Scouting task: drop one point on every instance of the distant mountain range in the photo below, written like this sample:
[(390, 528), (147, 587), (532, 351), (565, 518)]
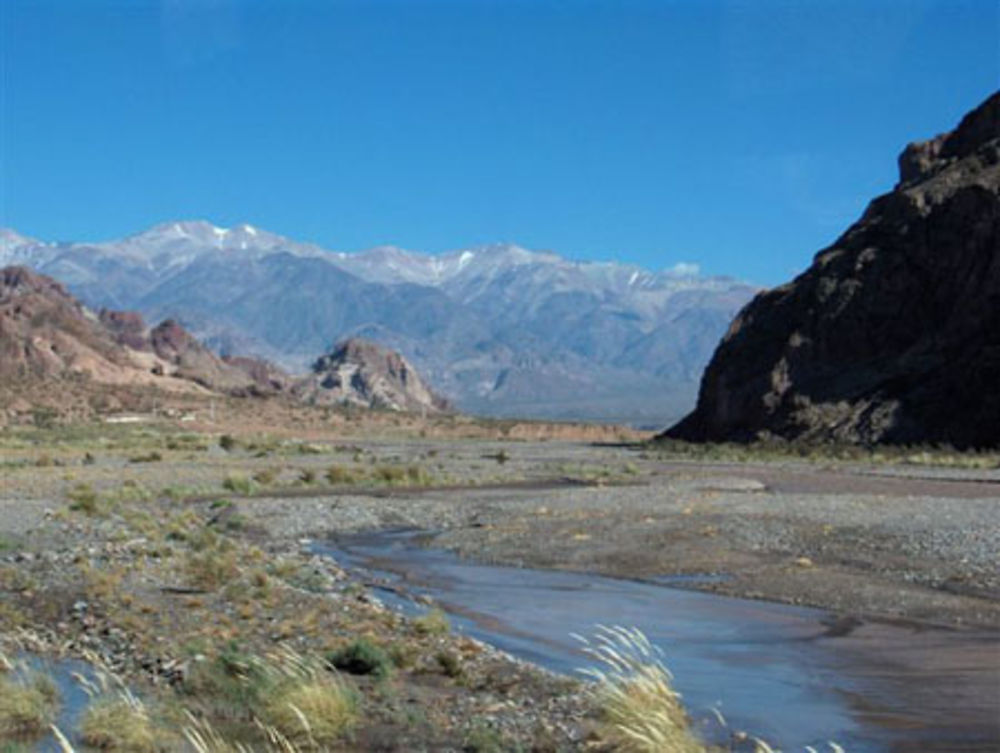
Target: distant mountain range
[(500, 330)]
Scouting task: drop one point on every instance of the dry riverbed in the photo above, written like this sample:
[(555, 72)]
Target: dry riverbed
[(175, 555)]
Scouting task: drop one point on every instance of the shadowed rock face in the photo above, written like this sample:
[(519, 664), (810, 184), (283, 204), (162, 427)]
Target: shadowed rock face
[(363, 373), (893, 333)]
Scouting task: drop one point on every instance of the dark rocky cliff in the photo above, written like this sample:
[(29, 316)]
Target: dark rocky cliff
[(893, 333)]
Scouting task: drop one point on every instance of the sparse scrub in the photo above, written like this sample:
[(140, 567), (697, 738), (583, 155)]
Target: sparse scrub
[(150, 457), (339, 475), (481, 737), (227, 442), (776, 450)]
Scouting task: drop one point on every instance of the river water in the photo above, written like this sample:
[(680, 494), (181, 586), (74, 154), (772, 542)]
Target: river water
[(791, 675)]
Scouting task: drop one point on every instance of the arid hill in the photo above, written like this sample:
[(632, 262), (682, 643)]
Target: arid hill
[(362, 373), (893, 333), (46, 334)]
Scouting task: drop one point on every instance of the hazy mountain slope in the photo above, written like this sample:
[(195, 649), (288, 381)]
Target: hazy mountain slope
[(576, 338), (893, 333)]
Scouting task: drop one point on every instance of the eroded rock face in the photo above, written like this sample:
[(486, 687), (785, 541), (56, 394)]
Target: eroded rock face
[(893, 333), (45, 332), (359, 372)]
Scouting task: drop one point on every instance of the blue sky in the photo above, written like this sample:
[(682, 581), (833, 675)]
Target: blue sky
[(742, 136)]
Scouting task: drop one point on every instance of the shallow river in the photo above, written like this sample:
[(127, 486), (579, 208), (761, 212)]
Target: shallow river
[(791, 675)]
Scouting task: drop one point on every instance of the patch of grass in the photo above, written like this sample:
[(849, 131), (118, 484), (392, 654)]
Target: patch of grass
[(267, 476), (213, 563), (16, 580), (239, 484), (362, 657), (28, 702), (435, 622), (119, 724), (83, 498), (232, 682), (641, 712), (776, 450), (481, 737), (150, 457), (339, 475)]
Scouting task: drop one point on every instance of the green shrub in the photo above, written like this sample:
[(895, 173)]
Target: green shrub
[(450, 663), (362, 657)]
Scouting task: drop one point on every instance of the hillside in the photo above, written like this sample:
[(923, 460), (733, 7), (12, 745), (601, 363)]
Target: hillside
[(893, 333)]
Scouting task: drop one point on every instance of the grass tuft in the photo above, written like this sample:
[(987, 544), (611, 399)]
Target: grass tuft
[(307, 704), (435, 622), (642, 713), (28, 702), (118, 724)]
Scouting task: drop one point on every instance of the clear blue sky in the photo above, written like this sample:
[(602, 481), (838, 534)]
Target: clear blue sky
[(742, 136)]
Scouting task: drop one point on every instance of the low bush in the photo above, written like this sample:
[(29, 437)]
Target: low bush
[(362, 657)]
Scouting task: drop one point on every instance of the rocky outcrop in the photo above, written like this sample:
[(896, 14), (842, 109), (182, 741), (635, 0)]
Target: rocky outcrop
[(191, 360), (127, 327), (45, 333), (893, 333), (362, 373)]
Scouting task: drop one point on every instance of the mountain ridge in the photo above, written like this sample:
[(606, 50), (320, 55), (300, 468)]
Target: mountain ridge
[(597, 340)]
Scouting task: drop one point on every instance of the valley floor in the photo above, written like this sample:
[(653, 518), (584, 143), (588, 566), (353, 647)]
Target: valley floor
[(158, 546)]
